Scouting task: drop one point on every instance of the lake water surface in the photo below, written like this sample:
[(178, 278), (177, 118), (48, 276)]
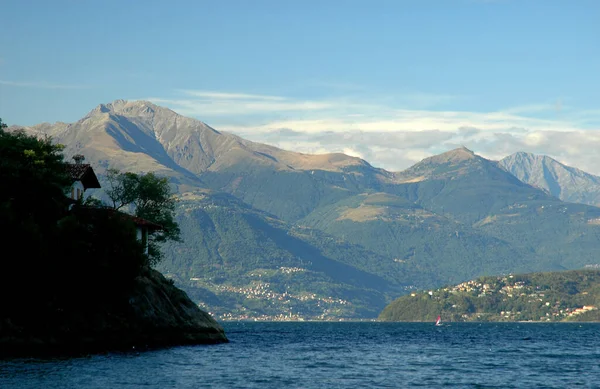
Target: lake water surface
[(341, 355)]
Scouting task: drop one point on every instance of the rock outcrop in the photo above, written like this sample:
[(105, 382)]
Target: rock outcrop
[(155, 314)]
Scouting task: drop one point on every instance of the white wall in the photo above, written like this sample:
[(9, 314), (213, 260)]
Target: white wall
[(73, 191), (140, 232)]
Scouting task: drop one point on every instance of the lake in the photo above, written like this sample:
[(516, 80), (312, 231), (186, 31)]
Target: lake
[(341, 355)]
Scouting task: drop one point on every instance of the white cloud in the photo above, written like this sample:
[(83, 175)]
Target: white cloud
[(229, 96), (353, 153), (210, 104)]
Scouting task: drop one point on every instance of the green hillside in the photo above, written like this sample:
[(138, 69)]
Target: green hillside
[(561, 234), (435, 249), (241, 262), (557, 296), (290, 194)]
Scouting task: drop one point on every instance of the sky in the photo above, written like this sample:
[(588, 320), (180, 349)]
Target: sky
[(392, 82)]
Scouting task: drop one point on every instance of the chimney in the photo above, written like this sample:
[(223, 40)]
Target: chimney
[(78, 158)]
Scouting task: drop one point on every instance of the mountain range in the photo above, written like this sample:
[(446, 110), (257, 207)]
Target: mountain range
[(273, 234)]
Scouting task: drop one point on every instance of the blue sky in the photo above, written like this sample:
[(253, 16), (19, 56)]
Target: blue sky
[(390, 81)]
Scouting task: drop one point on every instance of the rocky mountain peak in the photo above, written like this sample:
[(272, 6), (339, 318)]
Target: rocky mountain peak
[(457, 155), (453, 157), (128, 108), (451, 164), (565, 182), (530, 158), (521, 162)]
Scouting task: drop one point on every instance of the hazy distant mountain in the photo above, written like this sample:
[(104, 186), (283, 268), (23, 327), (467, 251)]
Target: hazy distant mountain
[(565, 182), (271, 232)]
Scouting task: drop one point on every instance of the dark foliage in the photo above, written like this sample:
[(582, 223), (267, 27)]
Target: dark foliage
[(149, 197), (53, 255)]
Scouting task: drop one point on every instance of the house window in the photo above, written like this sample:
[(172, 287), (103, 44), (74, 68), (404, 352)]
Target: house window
[(73, 193), (79, 193)]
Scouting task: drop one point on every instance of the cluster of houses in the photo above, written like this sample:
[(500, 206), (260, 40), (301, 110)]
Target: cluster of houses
[(514, 289), (585, 308)]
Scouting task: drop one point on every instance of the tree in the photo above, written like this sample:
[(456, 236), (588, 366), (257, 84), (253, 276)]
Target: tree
[(148, 196), (57, 254), (32, 193), (123, 188)]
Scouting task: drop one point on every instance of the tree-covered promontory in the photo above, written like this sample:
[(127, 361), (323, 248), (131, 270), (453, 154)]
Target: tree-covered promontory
[(70, 277)]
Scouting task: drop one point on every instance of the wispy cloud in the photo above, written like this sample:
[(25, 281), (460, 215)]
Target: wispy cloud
[(395, 133), (213, 103), (210, 103), (229, 96), (41, 84), (409, 121)]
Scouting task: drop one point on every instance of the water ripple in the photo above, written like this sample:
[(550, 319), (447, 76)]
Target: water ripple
[(340, 355)]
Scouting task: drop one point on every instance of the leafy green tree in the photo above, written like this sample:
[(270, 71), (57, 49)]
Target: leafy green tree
[(123, 188), (149, 196), (32, 193)]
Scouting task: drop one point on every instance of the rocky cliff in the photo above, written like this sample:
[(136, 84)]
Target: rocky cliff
[(154, 314)]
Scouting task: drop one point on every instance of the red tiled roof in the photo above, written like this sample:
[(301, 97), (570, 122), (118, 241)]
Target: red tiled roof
[(84, 173), (142, 222), (77, 171), (138, 221)]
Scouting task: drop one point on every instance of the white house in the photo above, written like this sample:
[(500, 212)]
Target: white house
[(83, 177), (143, 227)]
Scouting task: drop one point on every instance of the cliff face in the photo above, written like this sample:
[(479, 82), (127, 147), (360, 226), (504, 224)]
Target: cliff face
[(154, 314), (167, 314)]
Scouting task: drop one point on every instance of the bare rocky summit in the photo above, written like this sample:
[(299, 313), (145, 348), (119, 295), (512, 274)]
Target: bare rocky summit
[(567, 183), (141, 136)]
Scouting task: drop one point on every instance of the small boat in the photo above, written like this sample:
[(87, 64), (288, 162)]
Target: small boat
[(438, 321)]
